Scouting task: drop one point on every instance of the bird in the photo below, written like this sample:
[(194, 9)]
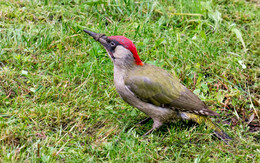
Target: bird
[(153, 90)]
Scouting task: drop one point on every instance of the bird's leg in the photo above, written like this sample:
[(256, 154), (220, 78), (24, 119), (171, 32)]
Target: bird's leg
[(144, 121), (156, 125), (148, 132)]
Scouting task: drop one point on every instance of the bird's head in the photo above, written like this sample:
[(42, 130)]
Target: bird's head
[(121, 50)]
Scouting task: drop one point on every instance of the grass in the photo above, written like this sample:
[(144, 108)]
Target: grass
[(58, 101)]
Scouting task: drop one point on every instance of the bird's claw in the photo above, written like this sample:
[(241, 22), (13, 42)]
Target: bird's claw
[(149, 132), (144, 121)]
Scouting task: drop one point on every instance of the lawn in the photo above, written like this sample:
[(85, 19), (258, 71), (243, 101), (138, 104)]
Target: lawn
[(58, 102)]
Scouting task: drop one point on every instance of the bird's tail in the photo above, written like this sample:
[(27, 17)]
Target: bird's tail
[(203, 119)]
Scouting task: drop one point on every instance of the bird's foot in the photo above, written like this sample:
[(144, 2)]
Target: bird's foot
[(144, 121), (156, 125), (149, 132)]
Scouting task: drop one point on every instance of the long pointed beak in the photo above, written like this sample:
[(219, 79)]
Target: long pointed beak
[(102, 38)]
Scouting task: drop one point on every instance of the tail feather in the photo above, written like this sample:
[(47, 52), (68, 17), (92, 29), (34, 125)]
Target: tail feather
[(203, 119)]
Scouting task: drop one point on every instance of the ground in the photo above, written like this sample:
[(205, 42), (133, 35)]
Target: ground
[(58, 101)]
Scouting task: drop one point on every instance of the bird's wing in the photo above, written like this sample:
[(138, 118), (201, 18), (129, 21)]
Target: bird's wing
[(154, 85)]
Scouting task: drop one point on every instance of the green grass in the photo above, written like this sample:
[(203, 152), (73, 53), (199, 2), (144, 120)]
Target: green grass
[(58, 101)]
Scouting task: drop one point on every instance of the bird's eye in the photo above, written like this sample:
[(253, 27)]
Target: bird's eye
[(112, 44)]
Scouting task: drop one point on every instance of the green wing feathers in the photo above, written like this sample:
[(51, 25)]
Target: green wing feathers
[(151, 85), (155, 85)]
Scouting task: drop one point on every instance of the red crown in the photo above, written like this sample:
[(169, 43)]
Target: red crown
[(129, 45)]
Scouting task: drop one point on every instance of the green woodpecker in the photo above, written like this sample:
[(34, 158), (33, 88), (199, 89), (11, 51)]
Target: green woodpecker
[(151, 89)]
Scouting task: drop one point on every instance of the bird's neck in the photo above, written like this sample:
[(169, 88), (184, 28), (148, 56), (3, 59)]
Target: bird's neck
[(120, 73), (120, 70)]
